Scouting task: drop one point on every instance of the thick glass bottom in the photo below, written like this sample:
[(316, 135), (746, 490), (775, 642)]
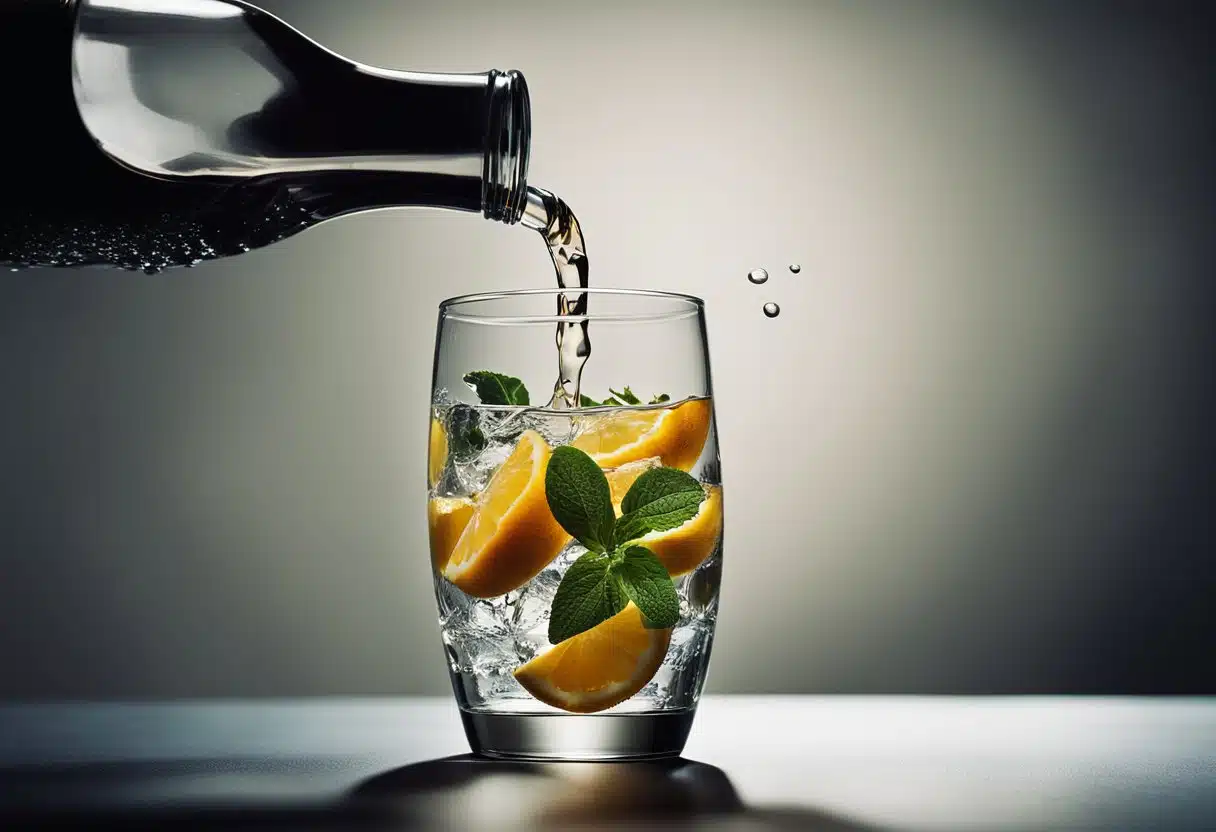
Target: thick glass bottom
[(577, 737)]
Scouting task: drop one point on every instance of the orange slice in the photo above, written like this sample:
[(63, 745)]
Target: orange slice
[(686, 547), (676, 435), (438, 452), (446, 519), (598, 668), (512, 535)]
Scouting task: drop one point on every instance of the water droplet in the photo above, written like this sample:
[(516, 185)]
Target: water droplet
[(795, 268), (771, 309), (757, 276)]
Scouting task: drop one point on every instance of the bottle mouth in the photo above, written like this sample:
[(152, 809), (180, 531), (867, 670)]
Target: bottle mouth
[(508, 138)]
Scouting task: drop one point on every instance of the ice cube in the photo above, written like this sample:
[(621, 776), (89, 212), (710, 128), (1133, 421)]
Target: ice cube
[(466, 435), (452, 603), (623, 476), (476, 631), (534, 601), (531, 609), (473, 475), (699, 591), (499, 685), (504, 425), (557, 428), (490, 656)]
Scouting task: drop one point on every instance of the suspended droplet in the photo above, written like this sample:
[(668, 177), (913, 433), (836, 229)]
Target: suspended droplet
[(795, 268), (771, 309), (757, 276)]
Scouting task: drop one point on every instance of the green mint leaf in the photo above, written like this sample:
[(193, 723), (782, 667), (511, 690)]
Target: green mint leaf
[(579, 497), (625, 396), (645, 581), (465, 439), (660, 499), (495, 388), (589, 594)]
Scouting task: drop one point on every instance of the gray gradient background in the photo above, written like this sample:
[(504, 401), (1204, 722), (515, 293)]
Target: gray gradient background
[(972, 455)]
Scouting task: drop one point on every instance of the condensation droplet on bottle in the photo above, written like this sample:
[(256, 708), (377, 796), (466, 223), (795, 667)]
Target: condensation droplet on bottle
[(771, 309), (757, 276), (795, 268)]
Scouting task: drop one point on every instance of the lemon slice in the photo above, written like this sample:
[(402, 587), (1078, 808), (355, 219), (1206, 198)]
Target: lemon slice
[(686, 547), (438, 452), (512, 535), (446, 519), (598, 668), (675, 435)]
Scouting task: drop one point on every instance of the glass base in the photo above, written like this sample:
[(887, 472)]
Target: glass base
[(577, 737)]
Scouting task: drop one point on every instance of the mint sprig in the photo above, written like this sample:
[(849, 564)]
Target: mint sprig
[(496, 388), (615, 570), (621, 398), (625, 395)]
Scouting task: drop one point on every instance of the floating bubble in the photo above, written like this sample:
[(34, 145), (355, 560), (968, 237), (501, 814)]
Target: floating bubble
[(771, 309), (758, 276)]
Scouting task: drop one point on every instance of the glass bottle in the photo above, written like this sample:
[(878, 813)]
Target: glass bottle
[(145, 134)]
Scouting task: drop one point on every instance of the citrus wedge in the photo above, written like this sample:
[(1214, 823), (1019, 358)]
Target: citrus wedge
[(686, 547), (446, 519), (675, 435), (438, 455), (598, 668), (512, 535)]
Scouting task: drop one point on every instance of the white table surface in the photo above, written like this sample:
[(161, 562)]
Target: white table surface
[(891, 763)]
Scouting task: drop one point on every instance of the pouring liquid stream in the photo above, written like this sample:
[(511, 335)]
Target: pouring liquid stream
[(555, 221)]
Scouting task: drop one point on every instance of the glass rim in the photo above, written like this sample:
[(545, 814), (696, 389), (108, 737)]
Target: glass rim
[(453, 308)]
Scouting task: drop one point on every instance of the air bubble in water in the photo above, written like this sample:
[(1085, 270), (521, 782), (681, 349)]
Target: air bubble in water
[(771, 309), (757, 276), (795, 268)]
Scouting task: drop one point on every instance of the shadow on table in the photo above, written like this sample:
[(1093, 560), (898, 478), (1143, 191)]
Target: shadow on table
[(470, 793)]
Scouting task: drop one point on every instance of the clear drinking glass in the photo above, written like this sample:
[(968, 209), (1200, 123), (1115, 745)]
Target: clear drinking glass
[(585, 667)]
